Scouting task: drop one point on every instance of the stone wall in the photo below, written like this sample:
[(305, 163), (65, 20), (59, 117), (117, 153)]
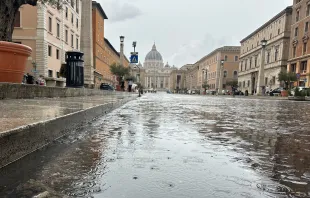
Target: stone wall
[(20, 91), (22, 141)]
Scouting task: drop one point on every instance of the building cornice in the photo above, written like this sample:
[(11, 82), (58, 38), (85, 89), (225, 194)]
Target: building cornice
[(101, 11), (221, 49), (287, 10)]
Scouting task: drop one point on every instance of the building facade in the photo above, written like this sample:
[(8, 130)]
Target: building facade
[(50, 32), (299, 53), (99, 44), (277, 33), (211, 72)]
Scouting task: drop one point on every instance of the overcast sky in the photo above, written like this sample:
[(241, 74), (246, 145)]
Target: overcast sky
[(185, 30)]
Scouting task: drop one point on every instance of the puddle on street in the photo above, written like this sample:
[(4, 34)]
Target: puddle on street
[(175, 146)]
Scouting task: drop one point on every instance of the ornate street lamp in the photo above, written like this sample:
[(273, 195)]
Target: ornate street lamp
[(221, 77), (261, 73)]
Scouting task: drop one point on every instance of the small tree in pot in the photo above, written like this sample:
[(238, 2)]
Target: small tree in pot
[(120, 71), (14, 56), (287, 78)]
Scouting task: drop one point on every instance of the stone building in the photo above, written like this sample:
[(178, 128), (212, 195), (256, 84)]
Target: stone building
[(100, 67), (155, 75), (277, 33), (50, 32), (299, 46), (210, 71)]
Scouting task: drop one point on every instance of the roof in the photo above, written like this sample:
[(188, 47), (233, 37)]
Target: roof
[(111, 46), (101, 11), (288, 9), (221, 49)]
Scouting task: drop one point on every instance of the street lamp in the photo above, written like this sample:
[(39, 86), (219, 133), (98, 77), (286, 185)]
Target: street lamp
[(221, 77), (139, 80), (122, 38), (261, 74), (134, 45)]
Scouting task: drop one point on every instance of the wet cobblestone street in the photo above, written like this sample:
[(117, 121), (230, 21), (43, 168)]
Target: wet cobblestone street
[(175, 146)]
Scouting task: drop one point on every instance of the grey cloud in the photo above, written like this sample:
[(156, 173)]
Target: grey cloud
[(118, 11)]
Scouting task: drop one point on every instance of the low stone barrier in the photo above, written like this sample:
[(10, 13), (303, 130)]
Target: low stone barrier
[(22, 91), (17, 143)]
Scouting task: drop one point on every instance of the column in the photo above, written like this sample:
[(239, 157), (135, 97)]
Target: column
[(261, 73), (165, 82)]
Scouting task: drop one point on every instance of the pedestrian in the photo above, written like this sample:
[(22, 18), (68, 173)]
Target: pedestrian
[(129, 85)]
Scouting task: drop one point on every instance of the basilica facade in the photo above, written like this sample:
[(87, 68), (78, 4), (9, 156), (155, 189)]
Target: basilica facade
[(155, 75)]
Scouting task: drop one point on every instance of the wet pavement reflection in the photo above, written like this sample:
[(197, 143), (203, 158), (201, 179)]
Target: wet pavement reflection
[(175, 146)]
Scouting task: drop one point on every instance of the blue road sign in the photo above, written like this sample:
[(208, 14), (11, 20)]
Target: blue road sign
[(134, 59), (298, 75)]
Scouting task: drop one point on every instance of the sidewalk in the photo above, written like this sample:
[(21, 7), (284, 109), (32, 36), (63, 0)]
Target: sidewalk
[(20, 112)]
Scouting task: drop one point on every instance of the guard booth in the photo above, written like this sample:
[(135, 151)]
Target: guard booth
[(75, 69)]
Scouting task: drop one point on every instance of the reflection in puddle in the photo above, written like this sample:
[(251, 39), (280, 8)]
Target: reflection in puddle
[(176, 146)]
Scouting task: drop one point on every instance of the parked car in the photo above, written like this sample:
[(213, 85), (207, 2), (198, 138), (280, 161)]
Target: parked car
[(276, 91), (106, 87)]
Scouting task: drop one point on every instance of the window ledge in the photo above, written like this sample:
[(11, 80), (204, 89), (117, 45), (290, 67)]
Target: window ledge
[(50, 33)]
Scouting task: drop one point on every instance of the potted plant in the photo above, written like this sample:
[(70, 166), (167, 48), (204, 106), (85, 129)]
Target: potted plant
[(287, 78), (298, 95), (205, 86), (13, 56), (120, 71)]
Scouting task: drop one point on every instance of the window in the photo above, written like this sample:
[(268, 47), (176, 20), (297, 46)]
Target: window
[(77, 43), (303, 67), (297, 15), (77, 6), (72, 3), (308, 9), (276, 53), (58, 30), (71, 40), (17, 19), (273, 80), (306, 26), (50, 73), (245, 65), (226, 58), (250, 62), (236, 58), (57, 54), (248, 83), (255, 61), (72, 18), (49, 50), (270, 36), (304, 49), (58, 74), (66, 36), (268, 57), (266, 81), (294, 51), (50, 24), (243, 83), (296, 31), (66, 12), (77, 23), (225, 74), (235, 74), (293, 68), (279, 31)]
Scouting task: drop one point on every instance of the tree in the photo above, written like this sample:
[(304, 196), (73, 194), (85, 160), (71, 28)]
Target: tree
[(233, 83), (119, 70), (205, 86), (8, 10), (287, 78)]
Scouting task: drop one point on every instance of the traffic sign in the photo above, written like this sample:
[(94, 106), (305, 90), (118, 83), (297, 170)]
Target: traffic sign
[(298, 75), (134, 59)]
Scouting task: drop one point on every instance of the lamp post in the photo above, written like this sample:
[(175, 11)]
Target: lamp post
[(221, 77), (261, 74), (122, 38)]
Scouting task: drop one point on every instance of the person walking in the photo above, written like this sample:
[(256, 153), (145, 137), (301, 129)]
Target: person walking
[(130, 85)]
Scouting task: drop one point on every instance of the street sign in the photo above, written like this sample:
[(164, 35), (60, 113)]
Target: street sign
[(298, 75), (134, 59)]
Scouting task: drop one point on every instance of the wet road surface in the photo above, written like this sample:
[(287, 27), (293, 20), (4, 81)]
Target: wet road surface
[(175, 146)]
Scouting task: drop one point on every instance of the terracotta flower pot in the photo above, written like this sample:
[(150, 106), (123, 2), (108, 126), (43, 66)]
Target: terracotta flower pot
[(284, 93), (13, 61)]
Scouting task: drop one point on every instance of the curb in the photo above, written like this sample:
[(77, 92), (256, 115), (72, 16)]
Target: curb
[(17, 143)]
